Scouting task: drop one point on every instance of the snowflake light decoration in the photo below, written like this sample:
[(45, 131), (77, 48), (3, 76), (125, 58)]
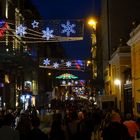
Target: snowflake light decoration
[(46, 62), (68, 64), (47, 33), (55, 65), (68, 28), (35, 24), (21, 30)]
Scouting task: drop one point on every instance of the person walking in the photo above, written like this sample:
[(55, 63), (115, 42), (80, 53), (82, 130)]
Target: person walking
[(36, 133), (7, 132), (116, 130), (131, 125), (24, 126), (57, 132)]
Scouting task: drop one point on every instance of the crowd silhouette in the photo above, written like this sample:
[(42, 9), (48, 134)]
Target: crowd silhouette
[(68, 124)]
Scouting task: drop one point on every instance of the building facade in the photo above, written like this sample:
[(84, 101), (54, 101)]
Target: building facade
[(115, 26), (15, 57), (134, 42), (120, 63)]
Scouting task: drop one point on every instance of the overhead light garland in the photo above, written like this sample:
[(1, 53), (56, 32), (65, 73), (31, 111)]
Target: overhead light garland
[(67, 28), (45, 31), (64, 64), (72, 82)]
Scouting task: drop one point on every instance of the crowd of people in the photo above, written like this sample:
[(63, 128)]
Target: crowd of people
[(69, 124)]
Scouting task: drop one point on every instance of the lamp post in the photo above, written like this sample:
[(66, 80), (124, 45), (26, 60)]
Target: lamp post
[(92, 23)]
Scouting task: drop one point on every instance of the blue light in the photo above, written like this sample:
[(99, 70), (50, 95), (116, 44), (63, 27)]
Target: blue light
[(2, 22)]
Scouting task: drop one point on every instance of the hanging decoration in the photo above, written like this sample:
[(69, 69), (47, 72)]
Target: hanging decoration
[(79, 90), (46, 62), (55, 65), (21, 30), (66, 76), (35, 24), (78, 86), (47, 33), (68, 64), (68, 28), (3, 27), (61, 64), (72, 82), (44, 30)]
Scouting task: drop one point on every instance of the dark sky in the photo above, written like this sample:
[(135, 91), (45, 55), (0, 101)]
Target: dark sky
[(54, 9), (70, 9)]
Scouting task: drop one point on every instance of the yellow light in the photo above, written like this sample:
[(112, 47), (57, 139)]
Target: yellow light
[(7, 79), (49, 74), (117, 82), (33, 100), (88, 62), (92, 22)]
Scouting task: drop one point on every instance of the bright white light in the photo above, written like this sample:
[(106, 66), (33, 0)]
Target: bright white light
[(28, 82), (27, 96), (95, 103), (69, 83), (66, 98), (117, 82), (64, 82), (23, 98), (49, 105), (71, 98)]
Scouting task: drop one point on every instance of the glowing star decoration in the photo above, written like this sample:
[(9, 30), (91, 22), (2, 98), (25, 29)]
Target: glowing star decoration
[(55, 65), (35, 24), (68, 64), (46, 62), (68, 28), (21, 30), (47, 33)]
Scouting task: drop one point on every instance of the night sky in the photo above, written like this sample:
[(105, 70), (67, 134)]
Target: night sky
[(71, 9)]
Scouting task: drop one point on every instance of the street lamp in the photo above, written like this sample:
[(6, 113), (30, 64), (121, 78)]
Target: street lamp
[(88, 62), (117, 82), (92, 22)]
